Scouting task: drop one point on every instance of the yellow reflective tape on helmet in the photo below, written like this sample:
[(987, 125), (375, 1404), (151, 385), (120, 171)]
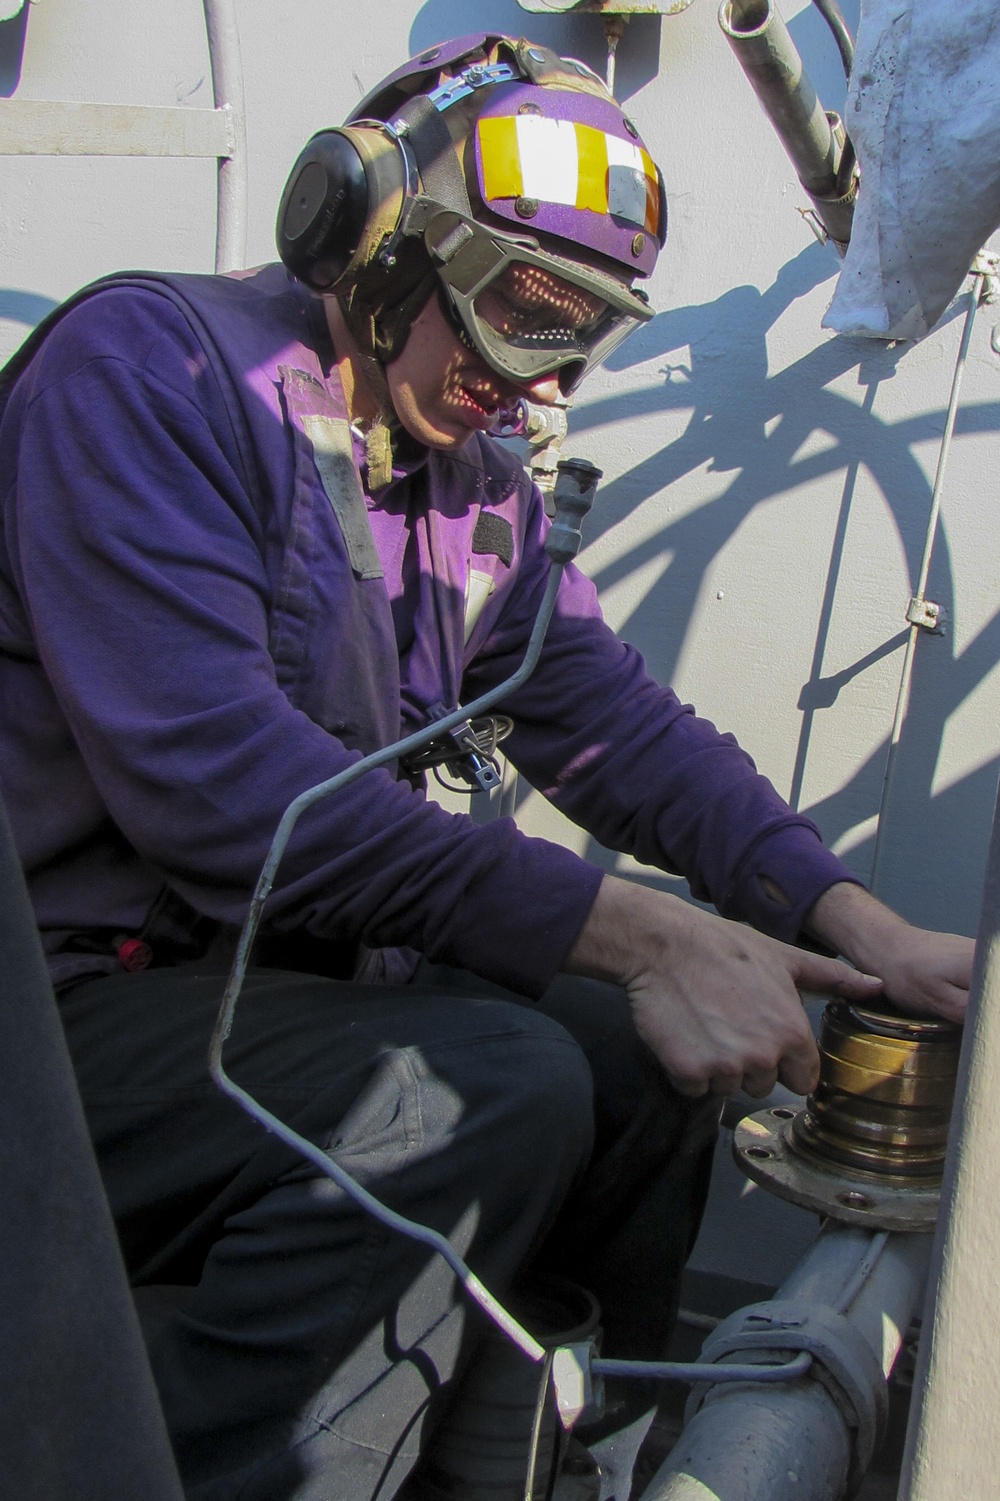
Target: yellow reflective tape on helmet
[(652, 220), (501, 156), (564, 162), (592, 176)]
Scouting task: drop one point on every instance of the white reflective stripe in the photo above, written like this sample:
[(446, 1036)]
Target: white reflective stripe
[(626, 181), (478, 588), (333, 453), (549, 158)]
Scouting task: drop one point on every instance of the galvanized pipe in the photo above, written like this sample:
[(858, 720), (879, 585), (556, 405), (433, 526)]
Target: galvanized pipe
[(812, 138), (793, 1442), (782, 1445), (919, 598), (227, 88)]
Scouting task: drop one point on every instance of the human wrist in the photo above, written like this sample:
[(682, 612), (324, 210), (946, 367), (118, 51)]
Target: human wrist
[(625, 925), (852, 922)]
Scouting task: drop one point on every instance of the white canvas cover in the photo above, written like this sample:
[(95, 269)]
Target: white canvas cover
[(923, 111)]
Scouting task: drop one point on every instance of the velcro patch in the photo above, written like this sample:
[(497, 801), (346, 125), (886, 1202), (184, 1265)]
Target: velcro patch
[(494, 535)]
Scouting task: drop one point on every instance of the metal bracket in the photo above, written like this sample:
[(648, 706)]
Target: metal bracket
[(842, 1360), (924, 612), (605, 7), (578, 1394), (545, 430), (479, 76), (987, 264)]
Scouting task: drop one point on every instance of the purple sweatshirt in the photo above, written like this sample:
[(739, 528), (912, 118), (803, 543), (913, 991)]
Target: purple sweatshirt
[(190, 636)]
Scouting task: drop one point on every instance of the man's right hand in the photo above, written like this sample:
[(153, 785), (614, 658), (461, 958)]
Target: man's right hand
[(716, 1002)]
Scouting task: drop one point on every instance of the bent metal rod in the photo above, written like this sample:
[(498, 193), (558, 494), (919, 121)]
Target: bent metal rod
[(574, 495)]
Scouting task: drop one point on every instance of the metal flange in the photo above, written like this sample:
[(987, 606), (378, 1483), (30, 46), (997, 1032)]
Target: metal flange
[(763, 1148)]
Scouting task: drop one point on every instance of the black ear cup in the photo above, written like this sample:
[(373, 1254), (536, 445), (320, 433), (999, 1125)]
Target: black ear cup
[(323, 211)]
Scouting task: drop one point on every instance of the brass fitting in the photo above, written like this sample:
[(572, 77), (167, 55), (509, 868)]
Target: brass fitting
[(883, 1103)]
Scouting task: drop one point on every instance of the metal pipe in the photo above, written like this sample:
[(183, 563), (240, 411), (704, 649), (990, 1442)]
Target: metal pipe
[(227, 88), (917, 611), (741, 1449), (412, 1229), (813, 139), (574, 495), (614, 30), (794, 1442)]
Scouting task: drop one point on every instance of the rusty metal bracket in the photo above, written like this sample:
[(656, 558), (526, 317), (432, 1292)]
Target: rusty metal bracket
[(987, 265), (924, 612)]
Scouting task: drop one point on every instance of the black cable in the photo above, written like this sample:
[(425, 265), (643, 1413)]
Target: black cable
[(845, 170), (833, 16)]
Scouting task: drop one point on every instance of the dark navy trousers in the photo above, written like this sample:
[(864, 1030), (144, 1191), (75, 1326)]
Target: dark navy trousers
[(317, 1349)]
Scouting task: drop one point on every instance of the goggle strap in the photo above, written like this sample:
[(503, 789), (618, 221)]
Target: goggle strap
[(434, 150), (392, 324)]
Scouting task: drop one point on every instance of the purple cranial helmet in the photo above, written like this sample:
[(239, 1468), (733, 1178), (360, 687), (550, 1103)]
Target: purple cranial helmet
[(556, 181), (558, 155), (567, 165), (503, 177)]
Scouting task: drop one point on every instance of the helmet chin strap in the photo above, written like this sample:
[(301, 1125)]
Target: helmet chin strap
[(378, 437)]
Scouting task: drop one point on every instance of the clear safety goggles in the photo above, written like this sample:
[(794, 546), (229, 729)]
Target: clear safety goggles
[(529, 314)]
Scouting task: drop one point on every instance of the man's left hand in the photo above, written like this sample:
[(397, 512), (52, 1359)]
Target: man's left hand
[(922, 971)]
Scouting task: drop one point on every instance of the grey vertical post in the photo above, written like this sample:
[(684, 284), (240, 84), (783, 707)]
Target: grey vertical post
[(227, 86), (79, 1415), (954, 1435)]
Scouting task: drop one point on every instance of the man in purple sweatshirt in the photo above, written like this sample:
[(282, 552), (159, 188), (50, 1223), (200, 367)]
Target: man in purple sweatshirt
[(253, 528)]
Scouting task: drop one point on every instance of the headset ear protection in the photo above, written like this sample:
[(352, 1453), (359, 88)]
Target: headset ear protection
[(343, 198)]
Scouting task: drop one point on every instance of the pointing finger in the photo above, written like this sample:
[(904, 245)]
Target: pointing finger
[(834, 977)]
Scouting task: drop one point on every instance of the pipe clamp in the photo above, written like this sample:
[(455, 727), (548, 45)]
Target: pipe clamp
[(842, 1360)]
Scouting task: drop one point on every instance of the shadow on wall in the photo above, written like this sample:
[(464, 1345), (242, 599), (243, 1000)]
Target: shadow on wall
[(28, 308), (12, 34), (757, 444), (638, 58)]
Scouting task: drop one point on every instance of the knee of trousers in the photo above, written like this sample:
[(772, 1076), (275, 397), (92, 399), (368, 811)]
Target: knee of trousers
[(515, 1086), (478, 1119), (458, 1094)]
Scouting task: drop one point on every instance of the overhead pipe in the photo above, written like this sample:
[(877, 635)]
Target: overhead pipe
[(814, 138), (848, 1303)]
